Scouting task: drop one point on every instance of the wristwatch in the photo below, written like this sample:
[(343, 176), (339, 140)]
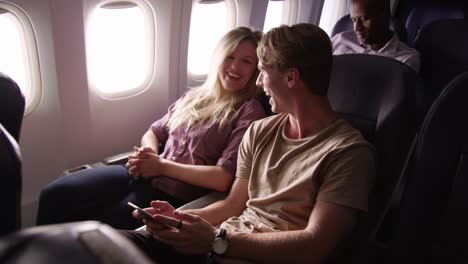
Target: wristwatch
[(220, 244)]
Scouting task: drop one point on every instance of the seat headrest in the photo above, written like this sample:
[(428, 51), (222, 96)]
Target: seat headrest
[(12, 104), (421, 16), (79, 242), (442, 45), (379, 98), (10, 197)]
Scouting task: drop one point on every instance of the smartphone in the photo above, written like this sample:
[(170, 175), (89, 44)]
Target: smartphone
[(146, 215)]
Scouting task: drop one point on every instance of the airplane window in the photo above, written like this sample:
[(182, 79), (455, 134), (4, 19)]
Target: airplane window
[(18, 54), (120, 49), (273, 17), (209, 22), (332, 11)]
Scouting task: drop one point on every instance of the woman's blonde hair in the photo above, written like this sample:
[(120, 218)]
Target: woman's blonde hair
[(209, 102)]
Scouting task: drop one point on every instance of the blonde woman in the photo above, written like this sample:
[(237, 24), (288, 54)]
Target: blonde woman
[(201, 132)]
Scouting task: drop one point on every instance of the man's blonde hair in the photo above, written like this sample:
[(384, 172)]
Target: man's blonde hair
[(209, 102), (302, 46)]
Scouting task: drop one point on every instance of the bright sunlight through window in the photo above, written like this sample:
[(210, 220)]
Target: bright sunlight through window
[(274, 13), (332, 11), (119, 48), (209, 22), (13, 52)]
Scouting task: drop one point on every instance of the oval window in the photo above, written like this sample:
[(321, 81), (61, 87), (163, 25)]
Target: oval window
[(202, 41), (120, 47), (18, 53)]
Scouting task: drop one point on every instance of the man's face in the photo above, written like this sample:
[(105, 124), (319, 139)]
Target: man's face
[(275, 85), (367, 24)]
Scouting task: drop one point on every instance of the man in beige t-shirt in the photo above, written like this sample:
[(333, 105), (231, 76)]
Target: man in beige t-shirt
[(287, 176), (302, 175)]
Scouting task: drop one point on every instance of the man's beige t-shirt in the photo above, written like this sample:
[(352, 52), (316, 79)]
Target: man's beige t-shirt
[(287, 176)]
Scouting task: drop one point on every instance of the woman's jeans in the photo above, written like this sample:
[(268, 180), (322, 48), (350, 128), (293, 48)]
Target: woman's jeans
[(97, 194)]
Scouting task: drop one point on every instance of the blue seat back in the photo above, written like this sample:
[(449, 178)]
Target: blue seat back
[(423, 15), (379, 97), (444, 54)]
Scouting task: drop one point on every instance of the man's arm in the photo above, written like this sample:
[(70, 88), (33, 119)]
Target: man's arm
[(328, 225), (233, 205), (207, 176)]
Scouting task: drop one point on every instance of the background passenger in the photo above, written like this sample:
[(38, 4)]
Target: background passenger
[(201, 131), (372, 34), (302, 174)]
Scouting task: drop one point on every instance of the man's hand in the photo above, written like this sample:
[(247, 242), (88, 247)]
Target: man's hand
[(188, 234), (157, 207)]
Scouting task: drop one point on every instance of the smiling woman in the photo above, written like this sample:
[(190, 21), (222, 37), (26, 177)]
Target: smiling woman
[(238, 68)]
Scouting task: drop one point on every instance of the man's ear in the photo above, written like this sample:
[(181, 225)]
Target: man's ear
[(293, 77)]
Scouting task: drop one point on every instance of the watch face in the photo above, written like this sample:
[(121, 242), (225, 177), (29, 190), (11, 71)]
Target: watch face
[(220, 246)]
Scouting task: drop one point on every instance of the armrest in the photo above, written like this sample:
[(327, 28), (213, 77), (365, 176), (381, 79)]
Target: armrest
[(199, 203), (121, 158), (204, 201)]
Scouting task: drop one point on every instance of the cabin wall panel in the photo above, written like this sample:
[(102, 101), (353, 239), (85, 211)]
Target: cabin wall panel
[(73, 125)]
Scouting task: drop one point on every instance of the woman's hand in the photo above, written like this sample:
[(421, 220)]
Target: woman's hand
[(187, 233), (131, 168), (145, 162)]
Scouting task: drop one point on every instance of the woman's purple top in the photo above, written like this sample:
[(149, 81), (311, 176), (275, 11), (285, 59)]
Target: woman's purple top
[(202, 144)]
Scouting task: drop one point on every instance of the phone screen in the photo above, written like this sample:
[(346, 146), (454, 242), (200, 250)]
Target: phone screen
[(146, 215)]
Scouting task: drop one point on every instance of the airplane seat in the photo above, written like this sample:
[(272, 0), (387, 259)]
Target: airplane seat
[(432, 224), (399, 27), (379, 97), (421, 16), (12, 106), (265, 101), (346, 24), (442, 45), (10, 196), (79, 242), (343, 24)]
